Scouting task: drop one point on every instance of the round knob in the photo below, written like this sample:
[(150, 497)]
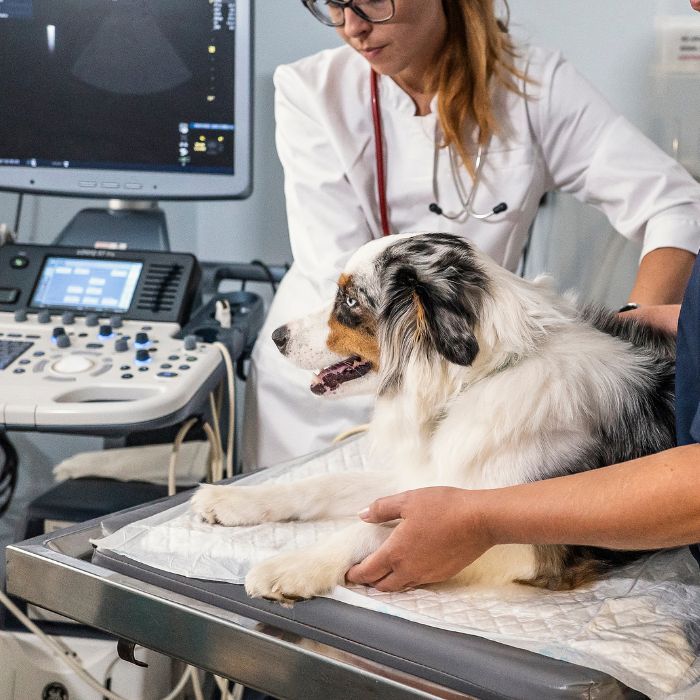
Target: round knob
[(116, 321), (106, 331), (21, 315), (190, 342), (44, 316), (92, 319), (121, 345), (68, 318), (72, 364), (58, 330), (143, 356), (63, 341), (141, 339)]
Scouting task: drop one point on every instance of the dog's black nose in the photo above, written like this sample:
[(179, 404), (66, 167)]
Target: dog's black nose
[(281, 337)]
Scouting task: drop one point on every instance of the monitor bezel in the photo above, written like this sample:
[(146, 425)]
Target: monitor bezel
[(158, 185)]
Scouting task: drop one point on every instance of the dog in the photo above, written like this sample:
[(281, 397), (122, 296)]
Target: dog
[(482, 380)]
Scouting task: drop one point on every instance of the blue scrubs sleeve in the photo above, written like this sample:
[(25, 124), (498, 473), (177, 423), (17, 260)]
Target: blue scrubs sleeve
[(688, 369), (688, 363)]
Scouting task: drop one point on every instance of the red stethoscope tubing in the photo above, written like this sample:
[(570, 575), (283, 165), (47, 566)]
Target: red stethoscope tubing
[(379, 153)]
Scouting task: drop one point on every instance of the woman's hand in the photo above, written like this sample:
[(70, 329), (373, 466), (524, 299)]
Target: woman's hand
[(661, 316), (441, 532)]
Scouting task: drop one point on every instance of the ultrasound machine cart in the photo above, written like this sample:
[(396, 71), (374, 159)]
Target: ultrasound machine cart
[(316, 650)]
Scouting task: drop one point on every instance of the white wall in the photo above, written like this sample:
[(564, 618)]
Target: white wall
[(612, 44)]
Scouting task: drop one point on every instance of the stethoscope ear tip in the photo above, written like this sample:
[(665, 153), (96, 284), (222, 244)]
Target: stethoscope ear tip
[(435, 208)]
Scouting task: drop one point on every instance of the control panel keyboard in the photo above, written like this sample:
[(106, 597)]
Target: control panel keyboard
[(100, 374)]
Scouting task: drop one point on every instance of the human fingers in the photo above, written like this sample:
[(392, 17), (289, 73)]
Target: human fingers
[(392, 583), (384, 509), (372, 569)]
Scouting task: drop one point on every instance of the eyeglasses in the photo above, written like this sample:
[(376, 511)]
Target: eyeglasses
[(332, 12)]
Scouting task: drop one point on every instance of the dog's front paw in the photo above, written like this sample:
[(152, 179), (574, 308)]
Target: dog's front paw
[(229, 505), (293, 576)]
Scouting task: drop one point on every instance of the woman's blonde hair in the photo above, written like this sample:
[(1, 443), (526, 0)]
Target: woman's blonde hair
[(478, 52)]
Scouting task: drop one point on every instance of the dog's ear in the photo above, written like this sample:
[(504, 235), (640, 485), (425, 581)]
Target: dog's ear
[(430, 311), (449, 324)]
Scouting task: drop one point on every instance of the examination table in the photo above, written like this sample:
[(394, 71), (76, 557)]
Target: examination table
[(319, 649)]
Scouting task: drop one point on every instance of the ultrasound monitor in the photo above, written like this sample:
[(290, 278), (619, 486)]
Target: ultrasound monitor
[(126, 99)]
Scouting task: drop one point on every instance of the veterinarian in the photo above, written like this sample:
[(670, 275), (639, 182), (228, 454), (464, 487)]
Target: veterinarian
[(466, 134)]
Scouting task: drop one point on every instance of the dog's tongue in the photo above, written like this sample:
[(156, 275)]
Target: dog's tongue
[(330, 378)]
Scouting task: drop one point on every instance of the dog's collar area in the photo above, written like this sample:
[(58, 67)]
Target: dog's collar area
[(330, 378)]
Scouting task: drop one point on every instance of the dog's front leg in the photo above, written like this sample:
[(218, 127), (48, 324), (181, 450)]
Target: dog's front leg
[(325, 496), (315, 570)]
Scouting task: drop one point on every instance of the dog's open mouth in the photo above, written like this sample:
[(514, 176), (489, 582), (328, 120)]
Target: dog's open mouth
[(330, 378)]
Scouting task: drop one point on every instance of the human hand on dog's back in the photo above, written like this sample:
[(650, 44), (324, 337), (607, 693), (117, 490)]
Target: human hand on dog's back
[(661, 316), (441, 532)]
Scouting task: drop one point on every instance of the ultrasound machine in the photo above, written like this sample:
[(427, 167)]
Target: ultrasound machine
[(106, 332)]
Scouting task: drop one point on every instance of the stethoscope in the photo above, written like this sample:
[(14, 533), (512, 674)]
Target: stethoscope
[(465, 200)]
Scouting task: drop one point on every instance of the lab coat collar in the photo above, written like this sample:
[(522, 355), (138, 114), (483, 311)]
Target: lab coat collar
[(395, 98)]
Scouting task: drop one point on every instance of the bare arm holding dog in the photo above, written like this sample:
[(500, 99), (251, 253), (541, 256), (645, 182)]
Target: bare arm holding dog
[(662, 276), (646, 503)]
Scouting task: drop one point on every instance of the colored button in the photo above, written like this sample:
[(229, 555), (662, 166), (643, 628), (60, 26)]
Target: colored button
[(19, 262)]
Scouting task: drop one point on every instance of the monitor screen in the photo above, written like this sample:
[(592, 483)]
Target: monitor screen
[(86, 285), (126, 98)]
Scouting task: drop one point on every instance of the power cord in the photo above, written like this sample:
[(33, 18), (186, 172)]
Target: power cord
[(18, 212), (8, 472)]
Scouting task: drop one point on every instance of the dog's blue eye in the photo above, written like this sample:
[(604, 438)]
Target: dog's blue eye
[(350, 301)]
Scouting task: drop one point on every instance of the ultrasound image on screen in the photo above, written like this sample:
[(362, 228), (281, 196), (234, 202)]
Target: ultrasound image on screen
[(126, 84)]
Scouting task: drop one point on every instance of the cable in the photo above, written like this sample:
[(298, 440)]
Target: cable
[(231, 387), (226, 694), (181, 434), (18, 212), (217, 466), (268, 273), (215, 418), (350, 432), (8, 473)]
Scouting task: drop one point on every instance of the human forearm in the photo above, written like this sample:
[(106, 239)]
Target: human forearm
[(647, 503), (661, 316), (662, 276)]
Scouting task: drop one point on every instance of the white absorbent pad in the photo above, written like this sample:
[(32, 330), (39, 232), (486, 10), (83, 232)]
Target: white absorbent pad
[(143, 463), (640, 625)]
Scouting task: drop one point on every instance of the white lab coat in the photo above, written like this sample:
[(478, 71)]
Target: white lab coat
[(566, 137)]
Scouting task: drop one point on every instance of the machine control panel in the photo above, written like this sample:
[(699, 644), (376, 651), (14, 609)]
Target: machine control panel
[(82, 378), (92, 341)]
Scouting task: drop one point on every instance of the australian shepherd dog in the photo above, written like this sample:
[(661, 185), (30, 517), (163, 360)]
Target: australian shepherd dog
[(482, 379)]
